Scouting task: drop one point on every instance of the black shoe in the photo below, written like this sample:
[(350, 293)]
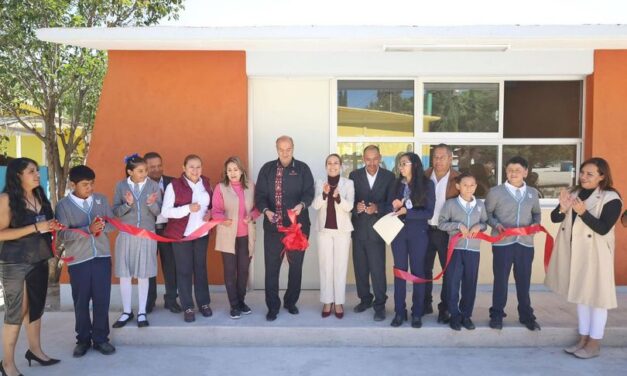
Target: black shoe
[(444, 317), (468, 324), (3, 372), (120, 323), (271, 316), (142, 323), (235, 313), (30, 356), (379, 315), (292, 310), (189, 315), (416, 322), (455, 324), (428, 309), (398, 320), (105, 348), (174, 307), (496, 323), (531, 325), (359, 308), (80, 349), (245, 309), (206, 311), (150, 307)]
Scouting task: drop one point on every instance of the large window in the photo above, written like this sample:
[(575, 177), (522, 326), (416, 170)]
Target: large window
[(486, 122)]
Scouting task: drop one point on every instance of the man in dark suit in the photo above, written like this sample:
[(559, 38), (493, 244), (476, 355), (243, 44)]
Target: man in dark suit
[(282, 184), (373, 188), (168, 266), (443, 176)]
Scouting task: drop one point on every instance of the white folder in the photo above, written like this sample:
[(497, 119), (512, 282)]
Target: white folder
[(388, 227)]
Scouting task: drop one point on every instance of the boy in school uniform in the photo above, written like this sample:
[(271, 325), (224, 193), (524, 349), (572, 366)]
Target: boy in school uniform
[(467, 215), (510, 205), (89, 266)]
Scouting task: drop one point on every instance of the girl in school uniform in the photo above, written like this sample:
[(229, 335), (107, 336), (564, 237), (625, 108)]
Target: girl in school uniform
[(413, 202), (233, 201), (467, 215), (137, 202)]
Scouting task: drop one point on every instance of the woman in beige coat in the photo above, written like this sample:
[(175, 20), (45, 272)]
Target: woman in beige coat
[(334, 201), (582, 265), (233, 201)]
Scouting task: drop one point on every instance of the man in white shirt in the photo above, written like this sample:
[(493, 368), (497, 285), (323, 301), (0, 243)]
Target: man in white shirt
[(443, 176), (168, 265)]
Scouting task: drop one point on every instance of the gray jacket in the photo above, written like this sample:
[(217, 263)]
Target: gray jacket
[(83, 248), (503, 209), (139, 214), (453, 215)]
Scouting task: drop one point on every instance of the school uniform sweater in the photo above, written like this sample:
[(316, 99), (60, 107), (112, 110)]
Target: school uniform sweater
[(454, 214)]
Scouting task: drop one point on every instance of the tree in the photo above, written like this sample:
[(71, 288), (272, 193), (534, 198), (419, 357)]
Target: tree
[(62, 82)]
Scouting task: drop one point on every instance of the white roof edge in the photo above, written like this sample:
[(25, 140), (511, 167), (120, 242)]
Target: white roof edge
[(329, 38)]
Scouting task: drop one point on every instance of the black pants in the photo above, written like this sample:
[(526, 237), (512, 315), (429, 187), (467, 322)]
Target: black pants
[(236, 271), (409, 249), (463, 271), (438, 244), (369, 262), (91, 283), (168, 267), (521, 258), (191, 265), (273, 258)]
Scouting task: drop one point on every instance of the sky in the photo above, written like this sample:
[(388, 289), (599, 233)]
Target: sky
[(400, 12)]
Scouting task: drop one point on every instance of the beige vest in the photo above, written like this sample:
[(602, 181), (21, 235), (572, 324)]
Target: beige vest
[(225, 238), (582, 269)]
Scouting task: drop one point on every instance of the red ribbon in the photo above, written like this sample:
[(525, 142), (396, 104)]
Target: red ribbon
[(294, 239), (139, 232), (519, 231)]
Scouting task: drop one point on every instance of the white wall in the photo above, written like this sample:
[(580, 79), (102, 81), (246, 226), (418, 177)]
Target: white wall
[(410, 64), (298, 108)]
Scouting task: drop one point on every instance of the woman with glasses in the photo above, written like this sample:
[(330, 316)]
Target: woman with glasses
[(582, 264), (413, 202)]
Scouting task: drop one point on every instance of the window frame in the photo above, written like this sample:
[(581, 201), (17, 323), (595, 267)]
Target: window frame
[(422, 138)]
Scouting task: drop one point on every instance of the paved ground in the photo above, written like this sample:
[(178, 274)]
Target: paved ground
[(310, 361), (150, 351)]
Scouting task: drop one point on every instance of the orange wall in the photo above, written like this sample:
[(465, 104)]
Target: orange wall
[(608, 131), (175, 103)]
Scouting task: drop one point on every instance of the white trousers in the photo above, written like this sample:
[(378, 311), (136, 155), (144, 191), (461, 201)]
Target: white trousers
[(333, 246), (591, 321)]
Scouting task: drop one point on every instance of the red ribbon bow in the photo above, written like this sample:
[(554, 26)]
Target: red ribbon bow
[(137, 231), (518, 231), (294, 239)]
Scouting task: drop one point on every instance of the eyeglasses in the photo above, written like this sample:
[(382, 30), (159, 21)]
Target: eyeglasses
[(404, 164)]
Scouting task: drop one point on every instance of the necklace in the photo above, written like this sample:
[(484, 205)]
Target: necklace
[(31, 204)]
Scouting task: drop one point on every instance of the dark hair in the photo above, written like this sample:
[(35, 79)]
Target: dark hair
[(607, 184), (466, 174), (372, 147), (418, 183), (151, 155), (189, 158), (243, 179), (16, 193), (81, 172), (333, 155), (449, 150), (518, 160), (132, 162)]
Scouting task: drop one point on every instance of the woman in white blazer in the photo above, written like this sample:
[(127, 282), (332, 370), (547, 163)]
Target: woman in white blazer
[(334, 234)]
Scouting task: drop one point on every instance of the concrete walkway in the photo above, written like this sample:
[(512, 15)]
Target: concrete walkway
[(307, 344)]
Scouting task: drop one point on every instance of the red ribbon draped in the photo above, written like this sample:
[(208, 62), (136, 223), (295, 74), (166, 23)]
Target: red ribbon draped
[(139, 232), (294, 239), (519, 231)]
